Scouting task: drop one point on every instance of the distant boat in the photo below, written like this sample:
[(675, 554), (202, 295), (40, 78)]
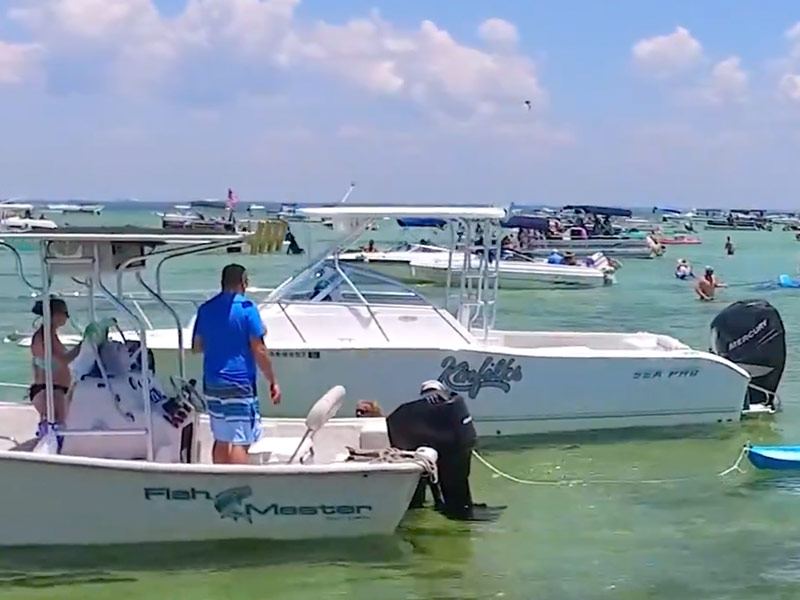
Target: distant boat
[(209, 203), (93, 209)]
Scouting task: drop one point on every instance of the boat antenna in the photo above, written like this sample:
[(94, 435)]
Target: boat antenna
[(348, 192)]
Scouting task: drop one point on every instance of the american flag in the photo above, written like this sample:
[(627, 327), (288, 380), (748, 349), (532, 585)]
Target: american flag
[(232, 199)]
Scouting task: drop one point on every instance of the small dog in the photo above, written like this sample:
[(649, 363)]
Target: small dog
[(368, 408)]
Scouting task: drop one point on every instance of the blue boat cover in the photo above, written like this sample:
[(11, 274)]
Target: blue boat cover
[(785, 281)]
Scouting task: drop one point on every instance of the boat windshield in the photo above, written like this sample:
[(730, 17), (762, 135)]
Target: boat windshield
[(345, 284)]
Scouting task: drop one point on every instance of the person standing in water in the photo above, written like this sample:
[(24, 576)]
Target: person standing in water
[(228, 331), (707, 285), (729, 248)]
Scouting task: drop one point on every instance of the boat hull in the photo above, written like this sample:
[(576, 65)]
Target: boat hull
[(518, 392), (541, 278), (57, 500), (551, 276)]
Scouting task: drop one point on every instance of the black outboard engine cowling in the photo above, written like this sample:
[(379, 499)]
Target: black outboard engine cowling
[(750, 333), (439, 420)]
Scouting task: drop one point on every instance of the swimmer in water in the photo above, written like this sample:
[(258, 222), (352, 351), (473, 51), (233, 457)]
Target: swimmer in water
[(683, 270), (707, 285), (729, 247)]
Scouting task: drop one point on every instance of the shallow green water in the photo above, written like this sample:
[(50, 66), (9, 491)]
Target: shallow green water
[(693, 536)]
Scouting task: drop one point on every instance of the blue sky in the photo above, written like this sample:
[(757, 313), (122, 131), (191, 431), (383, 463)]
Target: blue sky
[(679, 103)]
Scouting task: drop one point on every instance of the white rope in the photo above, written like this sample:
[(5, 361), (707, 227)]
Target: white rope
[(393, 455), (736, 466), (570, 482)]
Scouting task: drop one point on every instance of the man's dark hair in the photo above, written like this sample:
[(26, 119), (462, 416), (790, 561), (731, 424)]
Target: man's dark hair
[(232, 276)]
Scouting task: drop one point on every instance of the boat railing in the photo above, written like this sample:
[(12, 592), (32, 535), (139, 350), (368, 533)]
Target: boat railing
[(90, 266), (476, 306), (352, 295)]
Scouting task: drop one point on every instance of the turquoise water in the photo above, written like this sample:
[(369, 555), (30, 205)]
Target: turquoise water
[(693, 536)]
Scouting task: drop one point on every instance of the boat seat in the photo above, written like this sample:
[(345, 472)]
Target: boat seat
[(285, 450), (642, 342), (374, 435), (278, 450)]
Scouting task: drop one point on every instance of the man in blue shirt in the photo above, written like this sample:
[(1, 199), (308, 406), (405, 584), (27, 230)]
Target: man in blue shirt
[(229, 333)]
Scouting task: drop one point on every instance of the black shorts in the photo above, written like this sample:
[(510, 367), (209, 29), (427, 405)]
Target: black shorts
[(40, 387)]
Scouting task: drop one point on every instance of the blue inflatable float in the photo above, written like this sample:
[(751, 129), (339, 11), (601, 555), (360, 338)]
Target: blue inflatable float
[(775, 458), (785, 281)]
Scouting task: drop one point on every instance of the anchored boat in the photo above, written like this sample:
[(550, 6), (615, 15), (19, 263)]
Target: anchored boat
[(131, 463), (379, 338), (422, 263)]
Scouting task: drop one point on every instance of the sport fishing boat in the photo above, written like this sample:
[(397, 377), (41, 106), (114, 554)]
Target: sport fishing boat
[(131, 463), (379, 338)]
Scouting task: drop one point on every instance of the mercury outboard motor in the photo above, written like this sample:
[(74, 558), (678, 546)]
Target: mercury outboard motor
[(750, 333), (440, 420)]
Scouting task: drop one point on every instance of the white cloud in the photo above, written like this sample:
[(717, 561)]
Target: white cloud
[(18, 62), (91, 20), (793, 36), (498, 32), (789, 87), (424, 65), (665, 55), (727, 83)]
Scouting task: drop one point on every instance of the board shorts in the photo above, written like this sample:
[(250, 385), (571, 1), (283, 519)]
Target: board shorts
[(235, 421)]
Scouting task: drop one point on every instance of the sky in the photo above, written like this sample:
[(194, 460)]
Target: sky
[(680, 103)]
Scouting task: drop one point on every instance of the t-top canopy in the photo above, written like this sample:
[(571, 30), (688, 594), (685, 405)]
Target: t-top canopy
[(403, 212), (128, 234)]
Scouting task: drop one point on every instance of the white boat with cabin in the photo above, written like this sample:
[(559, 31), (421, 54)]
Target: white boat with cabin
[(422, 263), (337, 322), (131, 464), (520, 274)]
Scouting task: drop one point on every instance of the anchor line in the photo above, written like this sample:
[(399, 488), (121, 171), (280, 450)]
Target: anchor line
[(739, 460), (571, 482)]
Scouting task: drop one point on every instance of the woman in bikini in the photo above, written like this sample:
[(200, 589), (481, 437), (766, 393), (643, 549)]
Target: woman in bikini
[(61, 357)]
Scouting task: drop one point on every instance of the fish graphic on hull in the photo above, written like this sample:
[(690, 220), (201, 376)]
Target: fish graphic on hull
[(228, 503)]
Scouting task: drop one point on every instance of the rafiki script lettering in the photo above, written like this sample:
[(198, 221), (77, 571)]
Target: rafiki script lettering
[(460, 377)]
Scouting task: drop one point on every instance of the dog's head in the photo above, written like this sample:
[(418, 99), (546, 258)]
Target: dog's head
[(368, 408)]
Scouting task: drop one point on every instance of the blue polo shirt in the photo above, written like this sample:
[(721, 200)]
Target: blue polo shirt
[(226, 323)]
